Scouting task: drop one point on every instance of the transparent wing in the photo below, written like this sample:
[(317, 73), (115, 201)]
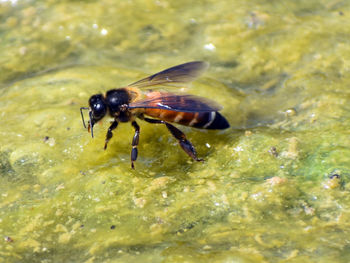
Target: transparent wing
[(173, 102), (174, 76)]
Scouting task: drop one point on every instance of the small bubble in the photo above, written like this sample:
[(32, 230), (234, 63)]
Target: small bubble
[(104, 31), (290, 112), (209, 47)]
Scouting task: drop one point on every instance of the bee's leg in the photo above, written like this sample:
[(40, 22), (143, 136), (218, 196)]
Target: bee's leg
[(135, 142), (185, 144), (109, 132)]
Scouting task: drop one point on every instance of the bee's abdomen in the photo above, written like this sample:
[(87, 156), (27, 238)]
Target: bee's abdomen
[(211, 120), (202, 120)]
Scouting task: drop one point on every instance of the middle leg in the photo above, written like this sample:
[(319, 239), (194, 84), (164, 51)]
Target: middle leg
[(135, 142)]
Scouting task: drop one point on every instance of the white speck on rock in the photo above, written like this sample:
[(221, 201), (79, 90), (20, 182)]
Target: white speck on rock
[(209, 47)]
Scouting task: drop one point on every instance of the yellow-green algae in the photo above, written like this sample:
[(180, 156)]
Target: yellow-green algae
[(273, 188)]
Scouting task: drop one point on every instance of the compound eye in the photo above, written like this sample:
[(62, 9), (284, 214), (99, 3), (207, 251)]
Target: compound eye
[(99, 110)]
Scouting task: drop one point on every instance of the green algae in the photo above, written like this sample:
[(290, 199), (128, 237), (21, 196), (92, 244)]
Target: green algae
[(273, 188)]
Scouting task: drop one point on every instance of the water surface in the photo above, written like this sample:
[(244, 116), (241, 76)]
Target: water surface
[(273, 188)]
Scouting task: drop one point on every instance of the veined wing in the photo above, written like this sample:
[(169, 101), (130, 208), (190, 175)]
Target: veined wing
[(174, 102), (174, 76)]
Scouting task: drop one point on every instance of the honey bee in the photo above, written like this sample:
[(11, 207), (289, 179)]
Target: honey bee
[(128, 103)]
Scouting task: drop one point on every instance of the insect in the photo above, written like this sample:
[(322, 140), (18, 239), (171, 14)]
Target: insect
[(129, 103)]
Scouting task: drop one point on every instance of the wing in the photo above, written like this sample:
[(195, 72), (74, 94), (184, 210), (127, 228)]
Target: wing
[(173, 102), (174, 76)]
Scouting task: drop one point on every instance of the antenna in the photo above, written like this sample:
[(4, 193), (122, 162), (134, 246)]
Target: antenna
[(82, 115)]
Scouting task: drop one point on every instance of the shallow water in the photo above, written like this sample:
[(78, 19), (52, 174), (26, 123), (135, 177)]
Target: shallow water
[(273, 188)]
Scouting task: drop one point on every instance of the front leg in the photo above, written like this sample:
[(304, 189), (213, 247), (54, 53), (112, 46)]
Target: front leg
[(185, 144), (135, 142), (109, 132)]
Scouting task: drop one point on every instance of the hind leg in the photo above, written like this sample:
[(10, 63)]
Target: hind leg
[(185, 144)]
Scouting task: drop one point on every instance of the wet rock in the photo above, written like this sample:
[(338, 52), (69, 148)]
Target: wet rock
[(293, 149), (6, 168)]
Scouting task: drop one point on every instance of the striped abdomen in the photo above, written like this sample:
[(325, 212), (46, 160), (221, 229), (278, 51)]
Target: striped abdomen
[(202, 120)]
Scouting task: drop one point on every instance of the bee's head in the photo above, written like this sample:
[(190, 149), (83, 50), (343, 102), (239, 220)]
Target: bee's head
[(97, 110)]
